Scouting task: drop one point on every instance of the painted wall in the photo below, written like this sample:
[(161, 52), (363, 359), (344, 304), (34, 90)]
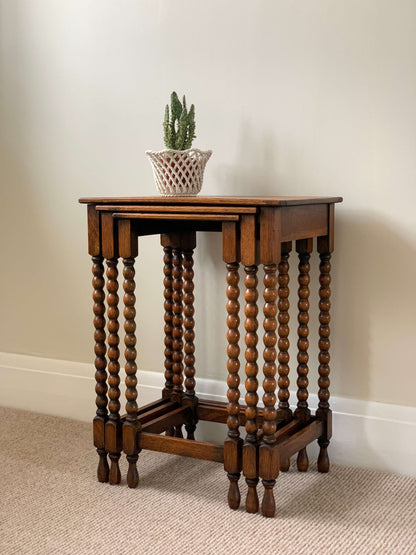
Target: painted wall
[(305, 98)]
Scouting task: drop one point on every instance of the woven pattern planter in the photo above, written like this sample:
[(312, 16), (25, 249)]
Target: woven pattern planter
[(179, 172)]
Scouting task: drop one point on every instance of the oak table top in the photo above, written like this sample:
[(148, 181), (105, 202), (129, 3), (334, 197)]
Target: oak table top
[(215, 201)]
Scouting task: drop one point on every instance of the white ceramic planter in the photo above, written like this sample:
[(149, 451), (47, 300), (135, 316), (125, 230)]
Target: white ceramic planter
[(179, 172)]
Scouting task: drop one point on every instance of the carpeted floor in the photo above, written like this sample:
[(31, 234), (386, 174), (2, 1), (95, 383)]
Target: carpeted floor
[(51, 503)]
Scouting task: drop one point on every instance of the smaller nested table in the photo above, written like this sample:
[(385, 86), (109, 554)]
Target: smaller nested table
[(255, 231)]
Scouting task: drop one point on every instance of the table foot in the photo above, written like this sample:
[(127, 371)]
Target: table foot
[(103, 468), (190, 429), (323, 459), (114, 476), (302, 460), (268, 506), (234, 496), (132, 474), (178, 431), (284, 465), (252, 499)]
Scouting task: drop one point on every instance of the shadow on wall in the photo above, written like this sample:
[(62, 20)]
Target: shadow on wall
[(373, 317)]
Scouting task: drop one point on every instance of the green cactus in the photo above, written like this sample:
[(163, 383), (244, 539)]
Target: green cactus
[(179, 125)]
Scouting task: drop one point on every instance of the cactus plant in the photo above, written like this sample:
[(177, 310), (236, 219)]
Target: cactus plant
[(179, 124)]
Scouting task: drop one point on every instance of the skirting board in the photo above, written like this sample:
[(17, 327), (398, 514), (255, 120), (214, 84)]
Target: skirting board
[(365, 434)]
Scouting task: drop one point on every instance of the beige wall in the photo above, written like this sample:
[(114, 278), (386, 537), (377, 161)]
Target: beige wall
[(309, 97)]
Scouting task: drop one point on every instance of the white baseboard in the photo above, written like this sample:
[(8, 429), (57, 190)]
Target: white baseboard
[(366, 434)]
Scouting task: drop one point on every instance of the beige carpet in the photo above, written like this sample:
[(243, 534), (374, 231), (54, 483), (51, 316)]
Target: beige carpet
[(52, 504)]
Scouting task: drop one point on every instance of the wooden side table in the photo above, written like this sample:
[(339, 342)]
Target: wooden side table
[(255, 230)]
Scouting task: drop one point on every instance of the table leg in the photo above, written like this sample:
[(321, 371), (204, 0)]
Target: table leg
[(168, 304), (304, 248), (113, 424), (323, 412), (284, 412), (233, 443), (168, 328), (250, 447), (189, 336), (131, 424), (269, 464), (100, 367), (177, 333)]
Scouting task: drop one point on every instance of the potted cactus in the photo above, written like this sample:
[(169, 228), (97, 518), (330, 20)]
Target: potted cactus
[(179, 169)]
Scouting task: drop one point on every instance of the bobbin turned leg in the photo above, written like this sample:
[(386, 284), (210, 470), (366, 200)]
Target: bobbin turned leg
[(113, 425), (128, 249), (179, 325), (177, 332), (233, 443), (168, 328), (269, 456), (323, 413), (189, 397), (131, 425), (284, 412), (100, 367), (302, 413), (233, 462), (250, 447)]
